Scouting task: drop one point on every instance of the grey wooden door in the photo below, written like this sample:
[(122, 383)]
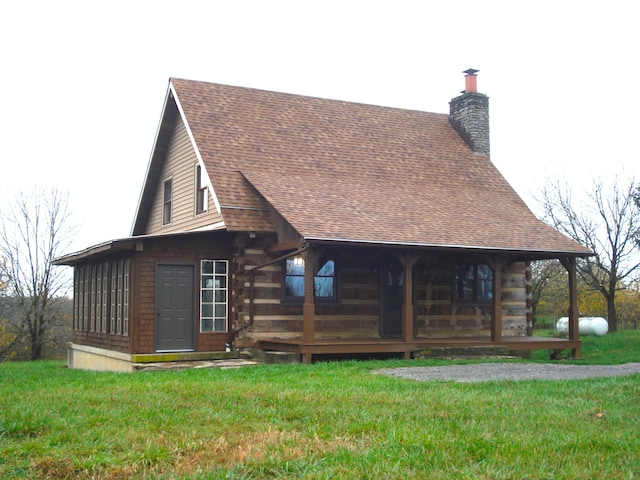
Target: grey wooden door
[(175, 321)]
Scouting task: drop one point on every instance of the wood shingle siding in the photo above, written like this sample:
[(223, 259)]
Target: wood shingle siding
[(179, 166)]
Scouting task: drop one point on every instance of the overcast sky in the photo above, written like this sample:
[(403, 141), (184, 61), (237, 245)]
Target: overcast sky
[(83, 82)]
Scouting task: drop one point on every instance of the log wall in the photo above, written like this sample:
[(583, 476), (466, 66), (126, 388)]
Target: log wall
[(438, 316), (357, 314)]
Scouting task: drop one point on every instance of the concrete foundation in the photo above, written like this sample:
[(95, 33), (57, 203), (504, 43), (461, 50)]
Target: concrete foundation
[(84, 357)]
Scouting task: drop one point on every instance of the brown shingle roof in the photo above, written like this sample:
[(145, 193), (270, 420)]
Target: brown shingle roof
[(354, 172)]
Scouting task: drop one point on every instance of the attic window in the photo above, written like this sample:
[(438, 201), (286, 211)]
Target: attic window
[(166, 202), (201, 192), (473, 283), (324, 282)]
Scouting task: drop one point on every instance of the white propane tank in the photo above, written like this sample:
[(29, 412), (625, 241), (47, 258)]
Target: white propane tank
[(584, 326), (562, 325), (597, 326)]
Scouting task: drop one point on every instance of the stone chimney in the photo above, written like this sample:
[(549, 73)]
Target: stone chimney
[(469, 115)]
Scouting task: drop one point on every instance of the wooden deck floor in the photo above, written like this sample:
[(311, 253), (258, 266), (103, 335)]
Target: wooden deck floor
[(380, 345)]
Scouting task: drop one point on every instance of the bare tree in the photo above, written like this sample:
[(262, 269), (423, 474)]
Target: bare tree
[(608, 223), (34, 230), (548, 279)]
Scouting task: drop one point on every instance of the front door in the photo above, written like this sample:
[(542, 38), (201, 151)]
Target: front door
[(391, 297), (174, 325)]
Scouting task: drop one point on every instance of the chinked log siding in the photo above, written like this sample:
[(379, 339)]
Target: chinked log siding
[(180, 167), (357, 312), (438, 316)]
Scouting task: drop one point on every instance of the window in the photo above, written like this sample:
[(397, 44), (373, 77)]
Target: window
[(324, 282), (94, 298), (101, 297), (213, 295), (473, 282), (166, 202), (201, 192), (105, 293)]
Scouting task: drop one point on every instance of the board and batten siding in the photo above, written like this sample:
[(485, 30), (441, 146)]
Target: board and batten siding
[(180, 165)]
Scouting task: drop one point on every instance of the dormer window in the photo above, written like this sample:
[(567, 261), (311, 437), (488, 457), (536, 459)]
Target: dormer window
[(201, 192), (166, 201)]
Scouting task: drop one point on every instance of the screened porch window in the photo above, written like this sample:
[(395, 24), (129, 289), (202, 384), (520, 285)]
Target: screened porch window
[(324, 282), (101, 297), (473, 282), (214, 298)]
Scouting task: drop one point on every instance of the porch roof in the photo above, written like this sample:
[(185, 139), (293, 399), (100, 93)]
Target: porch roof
[(362, 210), (135, 243)]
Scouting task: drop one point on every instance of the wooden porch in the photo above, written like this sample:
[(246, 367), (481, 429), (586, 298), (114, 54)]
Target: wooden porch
[(310, 344), (380, 345)]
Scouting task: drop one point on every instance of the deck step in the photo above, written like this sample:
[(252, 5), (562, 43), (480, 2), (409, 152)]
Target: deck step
[(275, 356)]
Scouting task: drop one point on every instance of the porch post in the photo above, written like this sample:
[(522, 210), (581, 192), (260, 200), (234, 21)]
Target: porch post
[(496, 311), (308, 308), (574, 313), (408, 335)]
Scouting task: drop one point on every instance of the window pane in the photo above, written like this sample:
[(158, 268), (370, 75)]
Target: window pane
[(485, 282), (221, 268), (221, 325), (294, 286), (323, 287), (327, 269), (207, 310), (295, 266), (207, 266), (207, 325), (207, 296), (221, 296), (207, 281), (221, 310)]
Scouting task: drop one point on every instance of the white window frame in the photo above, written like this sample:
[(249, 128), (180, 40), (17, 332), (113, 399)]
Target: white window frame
[(214, 296), (167, 204), (201, 192)]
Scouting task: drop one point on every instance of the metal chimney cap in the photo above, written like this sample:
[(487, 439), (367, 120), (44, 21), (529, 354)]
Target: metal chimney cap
[(471, 71)]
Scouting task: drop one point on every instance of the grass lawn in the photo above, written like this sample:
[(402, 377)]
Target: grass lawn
[(327, 420)]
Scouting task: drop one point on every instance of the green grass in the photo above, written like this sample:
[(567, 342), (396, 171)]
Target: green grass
[(327, 420), (613, 348)]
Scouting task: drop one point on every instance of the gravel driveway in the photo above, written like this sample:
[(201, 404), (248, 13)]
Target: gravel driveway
[(481, 372)]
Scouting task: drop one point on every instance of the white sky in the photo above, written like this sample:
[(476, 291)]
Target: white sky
[(83, 83)]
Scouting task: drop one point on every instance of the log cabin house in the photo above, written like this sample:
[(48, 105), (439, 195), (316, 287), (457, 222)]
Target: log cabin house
[(282, 222)]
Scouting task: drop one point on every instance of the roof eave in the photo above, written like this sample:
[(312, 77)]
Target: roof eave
[(537, 253)]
